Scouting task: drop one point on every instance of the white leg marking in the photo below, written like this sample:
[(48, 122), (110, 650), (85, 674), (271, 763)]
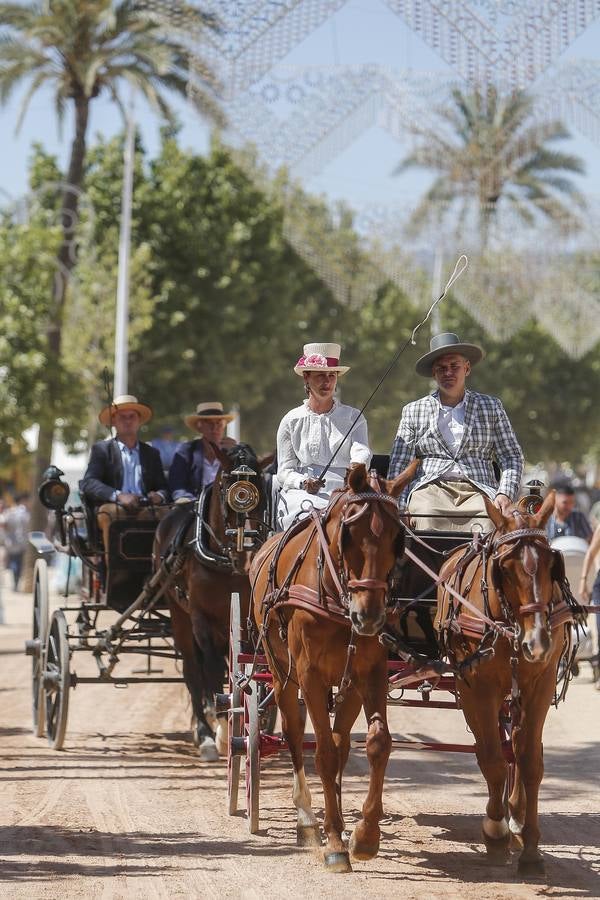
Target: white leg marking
[(221, 737), (515, 826), (302, 801), (494, 830), (208, 750)]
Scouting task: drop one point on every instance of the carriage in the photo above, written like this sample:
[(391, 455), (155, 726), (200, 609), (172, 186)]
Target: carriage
[(121, 614), (122, 607), (418, 675)]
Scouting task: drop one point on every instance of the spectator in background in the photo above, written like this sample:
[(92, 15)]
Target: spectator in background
[(566, 520), (166, 446), (588, 562), (196, 464), (16, 528)]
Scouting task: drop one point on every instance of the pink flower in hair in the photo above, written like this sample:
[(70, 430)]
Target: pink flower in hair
[(316, 359)]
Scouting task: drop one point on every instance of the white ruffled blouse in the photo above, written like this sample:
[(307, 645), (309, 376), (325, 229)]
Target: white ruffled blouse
[(306, 441)]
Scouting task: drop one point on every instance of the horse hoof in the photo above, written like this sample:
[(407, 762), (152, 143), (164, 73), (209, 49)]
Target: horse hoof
[(532, 868), (208, 751), (363, 851), (338, 862), (308, 836)]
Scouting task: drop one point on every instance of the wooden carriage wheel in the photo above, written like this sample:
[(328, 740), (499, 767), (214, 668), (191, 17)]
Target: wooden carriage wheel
[(234, 717), (38, 645), (57, 680), (252, 728)]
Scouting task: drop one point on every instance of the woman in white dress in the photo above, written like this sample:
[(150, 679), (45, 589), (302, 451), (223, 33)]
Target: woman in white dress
[(310, 434)]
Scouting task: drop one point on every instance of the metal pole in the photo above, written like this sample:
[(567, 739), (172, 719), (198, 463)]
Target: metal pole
[(122, 314)]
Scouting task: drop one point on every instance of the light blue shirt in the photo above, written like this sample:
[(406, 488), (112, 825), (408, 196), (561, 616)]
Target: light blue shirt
[(132, 470)]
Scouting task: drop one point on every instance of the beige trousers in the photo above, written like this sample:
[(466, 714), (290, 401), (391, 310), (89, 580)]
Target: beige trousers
[(431, 507)]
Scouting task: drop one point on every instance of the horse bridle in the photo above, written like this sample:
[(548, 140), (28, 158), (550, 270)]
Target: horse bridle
[(535, 536), (345, 585)]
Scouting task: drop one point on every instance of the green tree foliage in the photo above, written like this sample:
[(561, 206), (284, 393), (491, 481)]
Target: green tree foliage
[(80, 49), (550, 398), (487, 150)]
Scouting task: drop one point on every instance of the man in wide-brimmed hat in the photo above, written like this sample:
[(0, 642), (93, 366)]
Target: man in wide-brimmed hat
[(195, 463), (460, 436), (123, 469)]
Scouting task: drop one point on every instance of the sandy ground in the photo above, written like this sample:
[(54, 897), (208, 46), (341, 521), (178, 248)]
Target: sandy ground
[(127, 810)]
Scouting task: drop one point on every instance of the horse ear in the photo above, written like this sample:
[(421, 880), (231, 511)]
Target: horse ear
[(395, 486), (357, 477), (493, 512), (266, 460), (545, 511)]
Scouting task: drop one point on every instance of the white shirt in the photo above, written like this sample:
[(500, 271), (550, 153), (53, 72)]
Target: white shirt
[(306, 441), (451, 423)]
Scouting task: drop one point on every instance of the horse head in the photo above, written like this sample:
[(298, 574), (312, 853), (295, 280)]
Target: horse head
[(524, 571), (366, 537), (239, 502)]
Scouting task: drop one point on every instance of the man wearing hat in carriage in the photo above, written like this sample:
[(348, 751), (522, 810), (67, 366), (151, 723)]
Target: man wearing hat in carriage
[(310, 434), (124, 469), (195, 463), (460, 436)]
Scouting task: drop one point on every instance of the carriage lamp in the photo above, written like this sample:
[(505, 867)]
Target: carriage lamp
[(533, 499), (53, 492), (243, 496)]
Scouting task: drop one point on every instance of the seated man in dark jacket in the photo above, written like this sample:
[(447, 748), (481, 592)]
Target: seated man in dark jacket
[(195, 463), (123, 469)]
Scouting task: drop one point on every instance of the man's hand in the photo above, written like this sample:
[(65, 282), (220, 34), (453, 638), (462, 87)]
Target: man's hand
[(155, 498), (503, 503), (129, 501), (313, 485)]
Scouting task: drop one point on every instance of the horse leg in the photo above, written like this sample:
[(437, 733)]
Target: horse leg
[(345, 717), (292, 723), (364, 843), (212, 678), (529, 754), (481, 709), (315, 692), (193, 677)]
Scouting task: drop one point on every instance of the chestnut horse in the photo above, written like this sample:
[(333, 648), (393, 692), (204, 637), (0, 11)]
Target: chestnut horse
[(213, 561), (517, 584), (320, 592)]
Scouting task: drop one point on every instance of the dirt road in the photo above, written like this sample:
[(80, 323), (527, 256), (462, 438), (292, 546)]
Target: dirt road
[(127, 810)]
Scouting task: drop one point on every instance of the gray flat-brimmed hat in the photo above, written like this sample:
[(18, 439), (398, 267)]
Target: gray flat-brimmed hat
[(440, 345)]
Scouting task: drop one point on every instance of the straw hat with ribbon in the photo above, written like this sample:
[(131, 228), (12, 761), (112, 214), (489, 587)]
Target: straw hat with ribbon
[(211, 410), (320, 358), (124, 402)]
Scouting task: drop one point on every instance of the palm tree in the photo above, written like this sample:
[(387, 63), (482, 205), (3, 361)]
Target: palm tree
[(495, 155), (81, 49)]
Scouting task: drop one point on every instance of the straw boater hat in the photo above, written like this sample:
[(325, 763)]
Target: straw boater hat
[(212, 410), (125, 401), (440, 345), (319, 358)]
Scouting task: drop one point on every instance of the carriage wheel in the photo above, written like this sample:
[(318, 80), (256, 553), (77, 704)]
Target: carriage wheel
[(234, 719), (39, 635), (252, 724), (57, 680)]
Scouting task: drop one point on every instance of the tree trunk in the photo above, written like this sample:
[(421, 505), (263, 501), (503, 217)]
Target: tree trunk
[(65, 263)]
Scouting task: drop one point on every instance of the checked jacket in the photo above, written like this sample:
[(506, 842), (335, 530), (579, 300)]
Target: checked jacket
[(488, 437)]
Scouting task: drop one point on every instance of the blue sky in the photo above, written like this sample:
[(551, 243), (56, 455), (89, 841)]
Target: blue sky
[(363, 31)]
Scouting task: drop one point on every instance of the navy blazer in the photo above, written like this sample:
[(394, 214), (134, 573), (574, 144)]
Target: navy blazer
[(104, 473), (185, 472)]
